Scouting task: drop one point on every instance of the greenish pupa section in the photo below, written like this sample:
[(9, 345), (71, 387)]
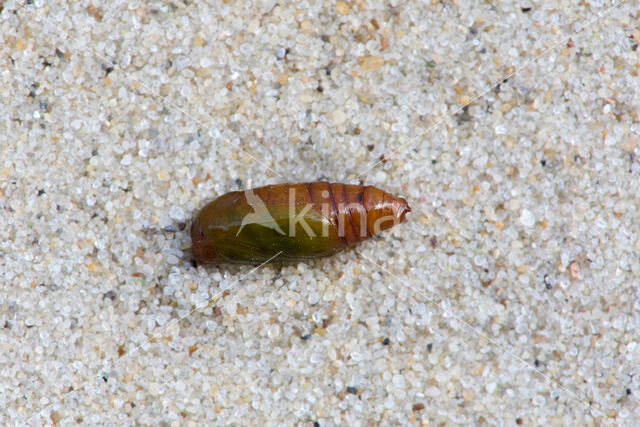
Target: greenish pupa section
[(264, 235)]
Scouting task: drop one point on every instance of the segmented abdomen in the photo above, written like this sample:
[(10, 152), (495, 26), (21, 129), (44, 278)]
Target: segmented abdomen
[(358, 211)]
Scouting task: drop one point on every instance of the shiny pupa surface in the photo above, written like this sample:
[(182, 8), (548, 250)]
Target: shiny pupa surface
[(292, 222)]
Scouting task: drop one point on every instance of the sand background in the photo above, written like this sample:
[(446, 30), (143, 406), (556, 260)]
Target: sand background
[(510, 296)]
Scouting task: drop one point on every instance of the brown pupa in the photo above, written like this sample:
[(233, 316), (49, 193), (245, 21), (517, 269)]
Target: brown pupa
[(291, 222)]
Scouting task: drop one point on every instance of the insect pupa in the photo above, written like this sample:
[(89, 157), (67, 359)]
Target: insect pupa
[(294, 221)]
